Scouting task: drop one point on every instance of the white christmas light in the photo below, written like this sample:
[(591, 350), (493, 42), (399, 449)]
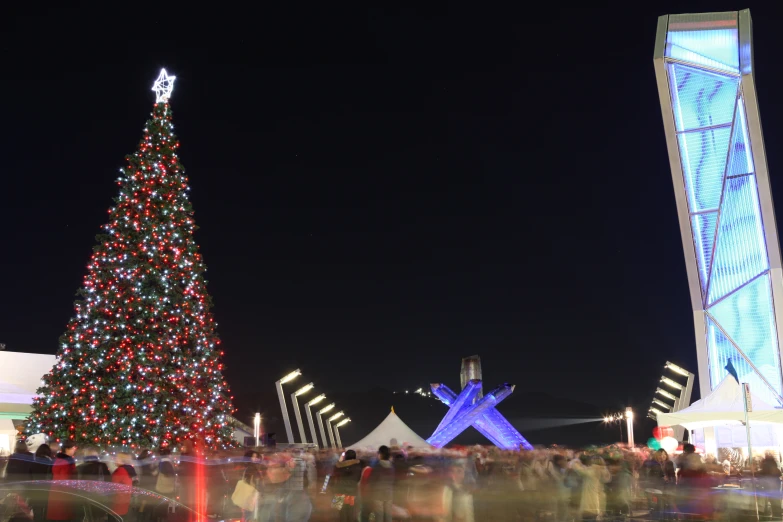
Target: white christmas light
[(163, 86)]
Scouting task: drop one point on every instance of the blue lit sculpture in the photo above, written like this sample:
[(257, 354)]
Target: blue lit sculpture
[(704, 69), (482, 415)]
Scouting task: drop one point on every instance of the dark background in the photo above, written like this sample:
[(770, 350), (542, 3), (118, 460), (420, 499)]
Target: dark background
[(380, 191)]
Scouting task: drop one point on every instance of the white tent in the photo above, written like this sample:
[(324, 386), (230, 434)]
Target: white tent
[(723, 407), (391, 432)]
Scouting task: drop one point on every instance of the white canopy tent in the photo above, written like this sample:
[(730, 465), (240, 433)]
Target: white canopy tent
[(391, 432), (723, 407)]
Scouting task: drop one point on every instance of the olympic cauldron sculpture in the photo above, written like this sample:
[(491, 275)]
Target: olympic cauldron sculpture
[(472, 408)]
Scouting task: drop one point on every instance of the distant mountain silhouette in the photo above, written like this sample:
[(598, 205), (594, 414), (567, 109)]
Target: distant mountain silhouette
[(540, 417)]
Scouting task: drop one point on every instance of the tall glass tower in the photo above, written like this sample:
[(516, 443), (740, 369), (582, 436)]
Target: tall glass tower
[(704, 70)]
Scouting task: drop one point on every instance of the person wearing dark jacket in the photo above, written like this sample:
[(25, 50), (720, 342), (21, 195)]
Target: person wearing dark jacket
[(769, 480), (41, 469), (347, 474), (380, 486), (20, 464), (92, 469)]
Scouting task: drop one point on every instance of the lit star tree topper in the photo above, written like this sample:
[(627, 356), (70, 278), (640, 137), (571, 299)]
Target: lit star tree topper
[(140, 362), (163, 86)]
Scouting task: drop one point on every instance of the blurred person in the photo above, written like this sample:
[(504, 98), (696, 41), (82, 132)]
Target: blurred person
[(558, 472), (165, 483), (146, 470), (693, 483), (380, 486), (714, 468), (218, 485), (658, 480), (618, 490), (529, 476), (276, 473), (594, 475), (346, 476), (125, 475), (92, 469), (769, 482), (61, 505), (297, 506), (426, 491), (20, 464), (252, 475), (457, 498), (187, 472), (41, 470), (147, 480)]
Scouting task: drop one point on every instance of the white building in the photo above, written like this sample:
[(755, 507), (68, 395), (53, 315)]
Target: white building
[(20, 377)]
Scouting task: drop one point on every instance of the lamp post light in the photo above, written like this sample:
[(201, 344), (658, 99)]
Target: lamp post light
[(673, 384), (310, 417), (337, 431), (279, 385), (666, 394), (676, 369), (629, 422), (319, 414), (329, 425), (257, 427), (301, 391)]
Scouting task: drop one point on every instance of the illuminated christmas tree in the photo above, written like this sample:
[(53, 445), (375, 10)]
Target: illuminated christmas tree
[(139, 364)]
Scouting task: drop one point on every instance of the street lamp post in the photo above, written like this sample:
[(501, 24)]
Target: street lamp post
[(295, 402), (611, 419), (329, 425), (337, 431), (629, 422), (310, 417), (257, 428), (279, 385), (682, 399), (319, 414)]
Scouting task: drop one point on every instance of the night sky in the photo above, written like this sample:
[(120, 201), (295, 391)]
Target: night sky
[(379, 192)]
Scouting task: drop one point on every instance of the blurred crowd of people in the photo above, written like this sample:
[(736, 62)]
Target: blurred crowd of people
[(389, 483)]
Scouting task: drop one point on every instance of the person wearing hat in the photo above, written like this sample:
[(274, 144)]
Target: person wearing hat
[(64, 468)]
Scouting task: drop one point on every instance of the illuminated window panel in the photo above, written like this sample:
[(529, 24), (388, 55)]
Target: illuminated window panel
[(701, 98), (740, 158), (740, 251), (721, 350), (704, 226), (704, 162), (747, 317), (713, 49)]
